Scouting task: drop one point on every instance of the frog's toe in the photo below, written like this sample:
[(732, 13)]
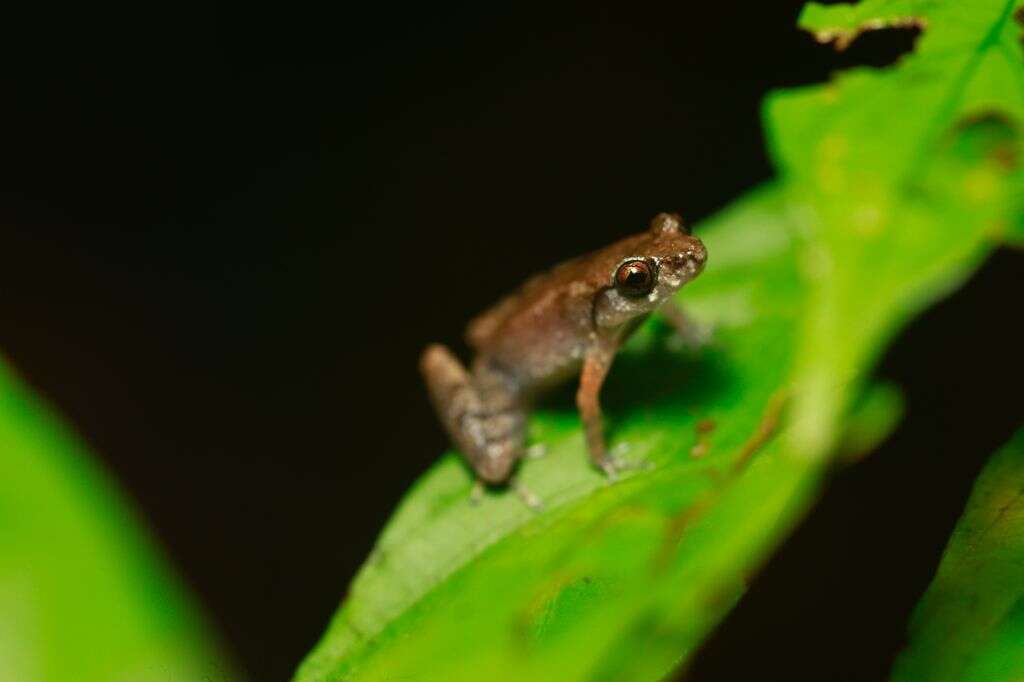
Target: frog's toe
[(634, 465), (617, 464), (610, 469), (536, 451), (524, 494), (476, 495)]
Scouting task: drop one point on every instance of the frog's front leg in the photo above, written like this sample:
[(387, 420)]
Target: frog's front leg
[(691, 333), (480, 412), (595, 368)]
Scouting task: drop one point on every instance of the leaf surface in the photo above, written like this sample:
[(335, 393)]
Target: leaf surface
[(969, 626), (894, 184), (84, 594), (904, 177)]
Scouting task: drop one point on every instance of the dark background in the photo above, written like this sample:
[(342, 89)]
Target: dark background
[(230, 229)]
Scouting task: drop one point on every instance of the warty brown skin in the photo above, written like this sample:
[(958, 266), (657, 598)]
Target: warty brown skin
[(566, 322)]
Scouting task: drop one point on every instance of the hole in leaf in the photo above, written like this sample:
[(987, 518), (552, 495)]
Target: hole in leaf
[(878, 48)]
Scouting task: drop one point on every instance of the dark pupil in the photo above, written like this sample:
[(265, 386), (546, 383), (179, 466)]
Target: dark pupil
[(635, 279)]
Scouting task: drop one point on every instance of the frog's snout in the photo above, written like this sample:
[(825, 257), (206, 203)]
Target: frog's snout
[(696, 254), (690, 261)]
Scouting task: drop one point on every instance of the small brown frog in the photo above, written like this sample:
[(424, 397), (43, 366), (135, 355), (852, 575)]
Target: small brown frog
[(571, 320)]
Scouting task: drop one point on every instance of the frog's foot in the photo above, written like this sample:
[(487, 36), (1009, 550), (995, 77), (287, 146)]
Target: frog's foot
[(613, 463), (693, 337), (689, 333), (524, 494), (610, 470), (536, 451), (620, 449), (476, 495)]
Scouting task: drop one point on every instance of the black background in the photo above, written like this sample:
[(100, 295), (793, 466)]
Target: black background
[(230, 229)]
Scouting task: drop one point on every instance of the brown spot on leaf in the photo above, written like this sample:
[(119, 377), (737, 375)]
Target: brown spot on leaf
[(1006, 156), (686, 517), (995, 134), (677, 525), (765, 430), (988, 117), (704, 429)]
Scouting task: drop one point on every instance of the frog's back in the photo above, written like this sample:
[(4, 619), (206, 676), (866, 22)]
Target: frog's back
[(533, 300), (542, 329)]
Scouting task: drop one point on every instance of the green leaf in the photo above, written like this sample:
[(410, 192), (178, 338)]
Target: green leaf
[(457, 589), (894, 186), (904, 177), (84, 594), (969, 626), (870, 421)]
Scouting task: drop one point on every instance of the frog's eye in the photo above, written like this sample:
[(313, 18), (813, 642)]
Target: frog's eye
[(634, 278)]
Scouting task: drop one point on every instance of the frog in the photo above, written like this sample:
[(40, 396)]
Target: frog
[(567, 322)]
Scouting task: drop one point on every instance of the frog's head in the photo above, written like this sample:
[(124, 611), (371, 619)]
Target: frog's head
[(655, 266)]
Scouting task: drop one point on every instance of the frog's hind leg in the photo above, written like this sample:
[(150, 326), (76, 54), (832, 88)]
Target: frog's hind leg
[(480, 412)]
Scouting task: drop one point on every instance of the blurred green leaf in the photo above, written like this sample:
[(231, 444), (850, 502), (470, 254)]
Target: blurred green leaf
[(84, 594), (871, 419), (894, 186), (969, 626), (904, 176)]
